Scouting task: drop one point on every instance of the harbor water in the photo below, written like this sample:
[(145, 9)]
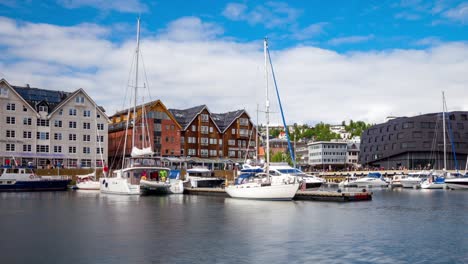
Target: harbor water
[(397, 226)]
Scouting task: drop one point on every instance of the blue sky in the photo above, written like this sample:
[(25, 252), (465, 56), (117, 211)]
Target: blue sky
[(338, 25), (346, 59)]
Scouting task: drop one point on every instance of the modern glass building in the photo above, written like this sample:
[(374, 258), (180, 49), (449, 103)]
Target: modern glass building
[(417, 142)]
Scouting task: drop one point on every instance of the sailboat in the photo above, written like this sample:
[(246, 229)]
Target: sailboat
[(90, 181), (436, 180), (141, 166), (264, 185)]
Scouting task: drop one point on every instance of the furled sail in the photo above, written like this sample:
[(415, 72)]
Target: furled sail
[(137, 152)]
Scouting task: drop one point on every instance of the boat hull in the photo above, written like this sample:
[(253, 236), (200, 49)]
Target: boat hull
[(457, 184), (259, 192), (371, 184), (161, 188), (433, 185), (38, 185), (118, 186), (89, 185), (206, 183), (410, 183)]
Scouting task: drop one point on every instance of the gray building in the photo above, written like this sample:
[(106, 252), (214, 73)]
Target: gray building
[(416, 142), (327, 155)]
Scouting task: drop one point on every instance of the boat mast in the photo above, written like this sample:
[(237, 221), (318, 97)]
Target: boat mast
[(256, 140), (443, 128), (137, 54), (267, 109)]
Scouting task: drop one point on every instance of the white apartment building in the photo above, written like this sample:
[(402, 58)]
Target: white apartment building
[(326, 155), (47, 128)]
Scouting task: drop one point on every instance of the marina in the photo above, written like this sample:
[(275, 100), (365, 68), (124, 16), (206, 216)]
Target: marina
[(89, 227)]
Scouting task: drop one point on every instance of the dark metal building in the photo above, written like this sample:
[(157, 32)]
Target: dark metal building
[(416, 142)]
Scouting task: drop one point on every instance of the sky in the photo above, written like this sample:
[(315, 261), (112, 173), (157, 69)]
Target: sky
[(334, 60)]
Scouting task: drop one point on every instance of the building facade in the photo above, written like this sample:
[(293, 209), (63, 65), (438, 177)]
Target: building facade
[(416, 142), (49, 128), (161, 130), (327, 155)]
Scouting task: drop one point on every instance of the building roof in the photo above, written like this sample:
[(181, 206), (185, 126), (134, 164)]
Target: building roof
[(186, 116), (225, 120), (36, 96)]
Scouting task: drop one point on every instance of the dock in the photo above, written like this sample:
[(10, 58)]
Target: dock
[(330, 196)]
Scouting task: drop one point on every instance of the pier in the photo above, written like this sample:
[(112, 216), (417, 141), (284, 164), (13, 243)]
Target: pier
[(329, 196)]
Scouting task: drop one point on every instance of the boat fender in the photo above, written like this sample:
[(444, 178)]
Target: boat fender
[(339, 190), (143, 178), (103, 181), (364, 190)]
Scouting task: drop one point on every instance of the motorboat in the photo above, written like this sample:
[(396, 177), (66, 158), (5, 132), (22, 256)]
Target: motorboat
[(14, 179), (87, 182), (373, 179), (309, 181), (349, 181), (395, 180), (202, 177), (413, 179), (458, 183), (434, 181), (161, 181)]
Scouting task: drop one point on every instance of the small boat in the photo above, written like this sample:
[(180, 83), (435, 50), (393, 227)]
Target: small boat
[(87, 182), (15, 179), (348, 182), (161, 181), (373, 179), (395, 181), (202, 177), (434, 181), (309, 181), (458, 183), (413, 179)]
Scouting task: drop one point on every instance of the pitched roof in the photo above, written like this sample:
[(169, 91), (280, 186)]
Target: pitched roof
[(35, 96), (224, 120), (186, 116)]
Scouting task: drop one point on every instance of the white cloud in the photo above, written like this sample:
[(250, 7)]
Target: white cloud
[(310, 31), (125, 6), (459, 13), (350, 40), (191, 28), (429, 41), (408, 16), (271, 14), (316, 84)]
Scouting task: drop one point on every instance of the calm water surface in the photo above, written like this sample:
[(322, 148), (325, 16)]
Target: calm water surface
[(398, 226)]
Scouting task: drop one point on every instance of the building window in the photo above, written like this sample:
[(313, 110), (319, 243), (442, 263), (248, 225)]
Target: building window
[(57, 149), (191, 152), (42, 122), (27, 121), (243, 121), (72, 137), (86, 125), (11, 107), (99, 150), (43, 108), (25, 109), (10, 134), (86, 113), (60, 112), (86, 150), (27, 134), (408, 125), (71, 149), (194, 128), (99, 138), (233, 131), (204, 129), (11, 120), (57, 136), (79, 99), (204, 117), (42, 148), (57, 123), (72, 112), (86, 138), (10, 147), (400, 135), (42, 135), (204, 141), (204, 152), (72, 124), (231, 142), (3, 92), (27, 148), (100, 126)]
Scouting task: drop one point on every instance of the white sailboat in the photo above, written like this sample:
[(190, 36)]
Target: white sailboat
[(264, 186), (460, 182), (437, 180), (140, 164)]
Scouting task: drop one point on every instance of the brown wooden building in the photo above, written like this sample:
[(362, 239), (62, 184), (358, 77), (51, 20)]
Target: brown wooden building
[(163, 137)]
